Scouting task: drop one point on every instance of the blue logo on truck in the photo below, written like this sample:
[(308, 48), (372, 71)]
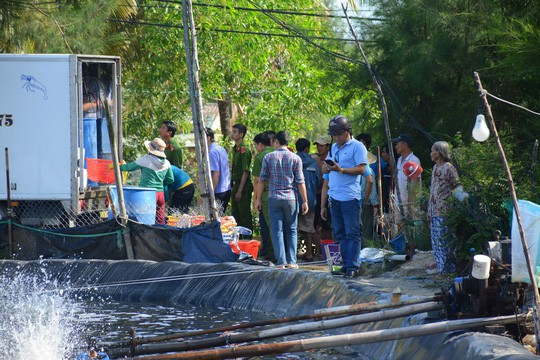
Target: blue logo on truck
[(31, 84)]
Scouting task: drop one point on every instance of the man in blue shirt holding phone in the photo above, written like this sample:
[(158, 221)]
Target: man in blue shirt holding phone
[(347, 160)]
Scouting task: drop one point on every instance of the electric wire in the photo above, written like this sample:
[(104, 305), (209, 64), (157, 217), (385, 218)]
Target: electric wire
[(292, 28), (232, 31), (511, 103), (276, 11)]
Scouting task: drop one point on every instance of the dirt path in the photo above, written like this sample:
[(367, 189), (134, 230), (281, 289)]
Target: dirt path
[(411, 276)]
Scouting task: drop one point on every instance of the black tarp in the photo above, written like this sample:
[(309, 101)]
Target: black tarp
[(269, 290), (106, 241)]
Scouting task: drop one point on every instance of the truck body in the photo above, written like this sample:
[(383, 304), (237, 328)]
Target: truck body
[(52, 117)]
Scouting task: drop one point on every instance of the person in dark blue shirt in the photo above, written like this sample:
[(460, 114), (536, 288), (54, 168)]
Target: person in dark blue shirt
[(181, 191)]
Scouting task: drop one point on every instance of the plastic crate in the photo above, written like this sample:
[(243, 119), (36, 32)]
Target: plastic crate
[(331, 251), (98, 170)]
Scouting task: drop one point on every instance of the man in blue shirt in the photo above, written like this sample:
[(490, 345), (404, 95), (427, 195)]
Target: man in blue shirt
[(219, 167), (347, 160)]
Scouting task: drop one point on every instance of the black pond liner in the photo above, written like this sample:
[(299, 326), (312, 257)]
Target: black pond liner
[(272, 291)]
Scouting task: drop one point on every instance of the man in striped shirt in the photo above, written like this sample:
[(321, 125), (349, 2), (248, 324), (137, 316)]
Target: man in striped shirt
[(283, 169)]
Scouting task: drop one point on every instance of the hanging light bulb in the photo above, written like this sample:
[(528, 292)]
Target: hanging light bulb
[(481, 130)]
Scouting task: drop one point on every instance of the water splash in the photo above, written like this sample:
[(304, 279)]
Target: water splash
[(35, 322)]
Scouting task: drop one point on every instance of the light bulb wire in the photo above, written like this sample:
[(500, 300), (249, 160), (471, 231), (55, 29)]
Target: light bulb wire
[(511, 103)]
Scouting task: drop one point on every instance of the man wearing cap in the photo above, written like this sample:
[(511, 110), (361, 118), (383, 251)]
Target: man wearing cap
[(347, 161), (242, 188), (322, 227), (155, 172), (172, 149), (219, 167), (405, 189)]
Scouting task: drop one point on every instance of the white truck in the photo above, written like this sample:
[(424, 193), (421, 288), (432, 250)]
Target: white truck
[(53, 117)]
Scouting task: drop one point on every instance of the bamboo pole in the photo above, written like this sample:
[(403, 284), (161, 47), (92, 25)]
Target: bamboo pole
[(379, 189), (291, 329), (384, 109), (201, 146), (338, 340), (512, 190), (9, 208), (318, 314)]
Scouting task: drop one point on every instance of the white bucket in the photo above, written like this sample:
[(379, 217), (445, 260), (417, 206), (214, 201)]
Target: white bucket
[(481, 266)]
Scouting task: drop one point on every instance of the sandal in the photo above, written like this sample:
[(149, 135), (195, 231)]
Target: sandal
[(292, 266)]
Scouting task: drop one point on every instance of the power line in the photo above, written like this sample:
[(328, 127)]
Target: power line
[(232, 31), (511, 103), (292, 28), (381, 80), (276, 11)]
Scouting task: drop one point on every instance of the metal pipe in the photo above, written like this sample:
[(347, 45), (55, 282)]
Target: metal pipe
[(291, 329), (399, 257), (115, 160), (118, 180), (373, 306), (338, 340), (318, 314), (9, 208)]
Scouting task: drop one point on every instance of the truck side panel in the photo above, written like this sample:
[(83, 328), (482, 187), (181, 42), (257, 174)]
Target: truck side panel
[(35, 94)]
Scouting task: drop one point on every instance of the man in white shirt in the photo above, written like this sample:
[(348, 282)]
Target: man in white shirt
[(406, 185)]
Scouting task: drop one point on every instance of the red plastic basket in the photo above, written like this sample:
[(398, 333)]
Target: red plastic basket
[(249, 246), (327, 241), (98, 170)]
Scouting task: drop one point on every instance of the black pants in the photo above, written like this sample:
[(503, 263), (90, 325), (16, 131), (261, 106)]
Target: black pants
[(181, 199), (223, 199)]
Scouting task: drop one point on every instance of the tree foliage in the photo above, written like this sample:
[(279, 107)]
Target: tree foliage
[(427, 51), (279, 82), (63, 26)]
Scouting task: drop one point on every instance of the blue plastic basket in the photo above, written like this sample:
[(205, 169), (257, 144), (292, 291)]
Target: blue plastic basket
[(398, 243)]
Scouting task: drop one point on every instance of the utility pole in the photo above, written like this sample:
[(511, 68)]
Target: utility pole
[(384, 110), (512, 190), (201, 146)]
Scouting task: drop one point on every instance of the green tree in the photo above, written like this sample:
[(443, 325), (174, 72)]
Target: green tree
[(427, 51), (279, 82), (63, 26)]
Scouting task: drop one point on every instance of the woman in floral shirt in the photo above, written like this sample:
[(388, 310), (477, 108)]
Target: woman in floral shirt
[(444, 179)]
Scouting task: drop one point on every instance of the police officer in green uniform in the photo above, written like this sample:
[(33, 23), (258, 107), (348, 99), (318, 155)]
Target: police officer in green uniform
[(242, 188), (262, 145), (173, 151)]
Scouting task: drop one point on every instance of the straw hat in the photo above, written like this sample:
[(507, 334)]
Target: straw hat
[(156, 147)]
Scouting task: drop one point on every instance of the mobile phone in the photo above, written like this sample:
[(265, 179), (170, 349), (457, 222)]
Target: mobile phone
[(329, 162)]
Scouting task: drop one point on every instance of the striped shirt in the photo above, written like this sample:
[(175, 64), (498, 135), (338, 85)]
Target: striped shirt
[(282, 169)]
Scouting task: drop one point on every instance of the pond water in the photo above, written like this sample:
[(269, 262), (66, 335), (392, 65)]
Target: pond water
[(110, 322), (38, 320)]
